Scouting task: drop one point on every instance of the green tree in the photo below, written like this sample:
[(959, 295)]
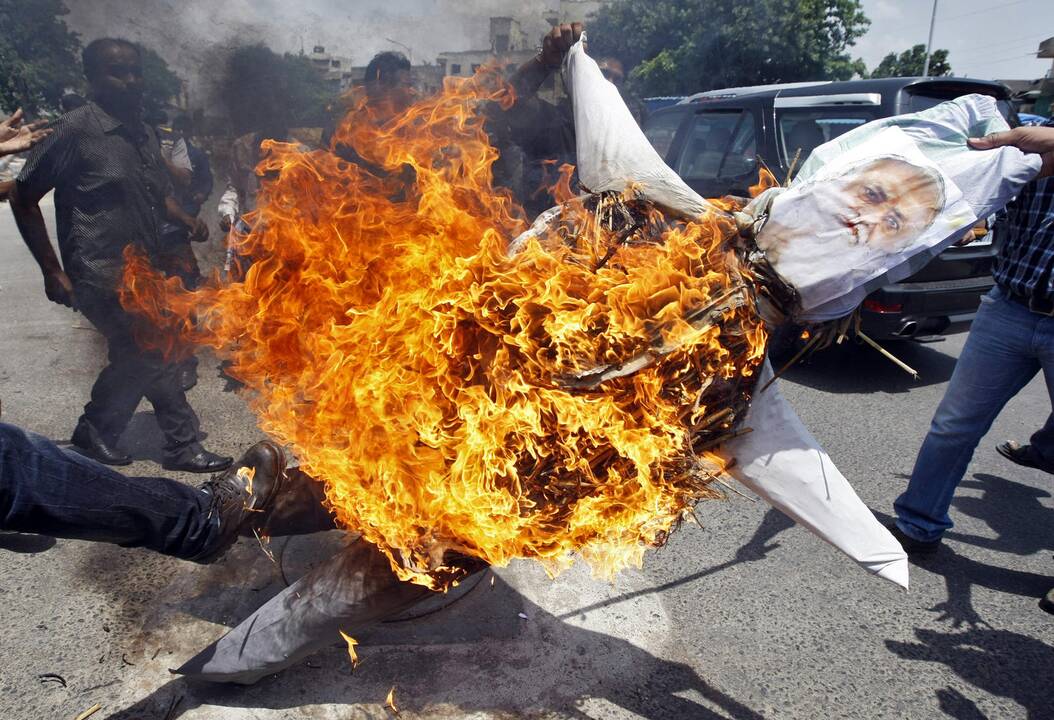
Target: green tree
[(676, 47), (265, 91), (160, 84), (911, 62), (38, 54)]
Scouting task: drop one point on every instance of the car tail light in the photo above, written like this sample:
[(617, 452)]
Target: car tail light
[(875, 306)]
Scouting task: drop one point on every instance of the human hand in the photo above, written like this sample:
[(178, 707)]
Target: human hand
[(1038, 140), (16, 137), (958, 614), (199, 231), (978, 231), (58, 288), (558, 42)]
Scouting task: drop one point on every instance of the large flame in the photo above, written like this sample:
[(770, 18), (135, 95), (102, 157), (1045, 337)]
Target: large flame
[(434, 383)]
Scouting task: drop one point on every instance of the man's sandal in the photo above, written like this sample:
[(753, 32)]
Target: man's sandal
[(1023, 455)]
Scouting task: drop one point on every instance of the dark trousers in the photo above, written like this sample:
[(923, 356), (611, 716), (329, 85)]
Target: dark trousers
[(177, 259), (132, 374), (49, 491)]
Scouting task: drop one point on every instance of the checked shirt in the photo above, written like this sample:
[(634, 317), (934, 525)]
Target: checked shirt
[(1025, 261)]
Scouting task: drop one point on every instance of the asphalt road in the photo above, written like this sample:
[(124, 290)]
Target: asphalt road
[(746, 617)]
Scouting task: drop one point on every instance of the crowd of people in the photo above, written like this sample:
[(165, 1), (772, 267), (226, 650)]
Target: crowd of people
[(121, 179)]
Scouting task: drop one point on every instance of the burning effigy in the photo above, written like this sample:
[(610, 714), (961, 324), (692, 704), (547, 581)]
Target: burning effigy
[(470, 390)]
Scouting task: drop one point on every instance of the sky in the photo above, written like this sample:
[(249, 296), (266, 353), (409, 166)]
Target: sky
[(987, 39)]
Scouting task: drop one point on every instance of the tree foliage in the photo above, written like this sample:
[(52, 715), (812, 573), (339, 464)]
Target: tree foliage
[(676, 47), (265, 91), (910, 63), (160, 84), (39, 56)]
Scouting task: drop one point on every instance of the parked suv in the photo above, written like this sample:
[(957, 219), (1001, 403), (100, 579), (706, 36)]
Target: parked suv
[(718, 140)]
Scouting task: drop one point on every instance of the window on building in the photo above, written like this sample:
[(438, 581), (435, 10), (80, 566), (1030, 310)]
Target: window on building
[(455, 68), (335, 63), (475, 67)]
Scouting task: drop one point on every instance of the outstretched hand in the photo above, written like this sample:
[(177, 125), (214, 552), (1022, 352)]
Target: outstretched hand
[(558, 42), (1038, 140), (16, 136)]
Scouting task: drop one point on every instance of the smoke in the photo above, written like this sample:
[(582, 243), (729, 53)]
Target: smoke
[(195, 36)]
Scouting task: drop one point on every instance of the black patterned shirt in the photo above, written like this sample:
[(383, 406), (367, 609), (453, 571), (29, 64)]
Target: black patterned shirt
[(110, 187)]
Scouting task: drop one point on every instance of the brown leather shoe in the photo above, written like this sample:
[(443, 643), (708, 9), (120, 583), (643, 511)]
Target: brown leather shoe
[(242, 493)]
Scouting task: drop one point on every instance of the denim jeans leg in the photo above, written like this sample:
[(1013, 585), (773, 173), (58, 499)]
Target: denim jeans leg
[(49, 491), (996, 362)]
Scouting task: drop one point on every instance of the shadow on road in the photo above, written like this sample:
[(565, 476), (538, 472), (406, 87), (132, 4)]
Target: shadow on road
[(25, 544), (1012, 510), (479, 655), (757, 548), (541, 666), (1000, 662), (854, 368)]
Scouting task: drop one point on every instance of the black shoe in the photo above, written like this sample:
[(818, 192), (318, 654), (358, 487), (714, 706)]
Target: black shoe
[(1047, 601), (243, 494), (911, 545), (197, 459), (1023, 455), (87, 441)]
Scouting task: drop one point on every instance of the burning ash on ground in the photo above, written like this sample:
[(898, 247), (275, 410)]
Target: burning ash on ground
[(462, 404)]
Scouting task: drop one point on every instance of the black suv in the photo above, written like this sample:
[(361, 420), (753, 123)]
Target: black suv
[(717, 140)]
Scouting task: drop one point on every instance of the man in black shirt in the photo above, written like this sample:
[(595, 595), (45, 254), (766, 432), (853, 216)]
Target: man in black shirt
[(111, 190)]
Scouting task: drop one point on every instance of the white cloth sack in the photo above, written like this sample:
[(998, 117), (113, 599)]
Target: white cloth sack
[(780, 460), (785, 465), (612, 151)]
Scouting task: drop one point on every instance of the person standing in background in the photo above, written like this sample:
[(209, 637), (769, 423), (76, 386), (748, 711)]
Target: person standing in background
[(112, 190)]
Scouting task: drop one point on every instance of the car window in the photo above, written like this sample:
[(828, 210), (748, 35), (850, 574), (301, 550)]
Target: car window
[(919, 101), (661, 130), (806, 129), (719, 145)]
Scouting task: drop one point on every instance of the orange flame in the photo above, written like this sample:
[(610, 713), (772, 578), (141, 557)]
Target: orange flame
[(352, 642), (390, 700), (433, 382)]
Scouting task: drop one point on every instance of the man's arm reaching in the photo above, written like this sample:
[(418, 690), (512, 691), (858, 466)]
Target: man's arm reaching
[(199, 231), (530, 76)]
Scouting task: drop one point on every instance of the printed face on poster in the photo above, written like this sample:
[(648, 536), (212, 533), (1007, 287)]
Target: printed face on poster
[(860, 215)]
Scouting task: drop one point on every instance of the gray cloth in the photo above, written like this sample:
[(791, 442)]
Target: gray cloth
[(350, 591), (110, 187)]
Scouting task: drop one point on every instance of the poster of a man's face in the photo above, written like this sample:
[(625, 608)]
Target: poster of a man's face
[(856, 218), (882, 204)]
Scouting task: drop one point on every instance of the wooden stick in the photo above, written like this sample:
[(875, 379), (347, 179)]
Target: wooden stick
[(89, 712), (901, 364), (796, 358)]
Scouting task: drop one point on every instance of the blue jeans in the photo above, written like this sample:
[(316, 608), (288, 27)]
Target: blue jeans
[(1008, 344), (50, 491)]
